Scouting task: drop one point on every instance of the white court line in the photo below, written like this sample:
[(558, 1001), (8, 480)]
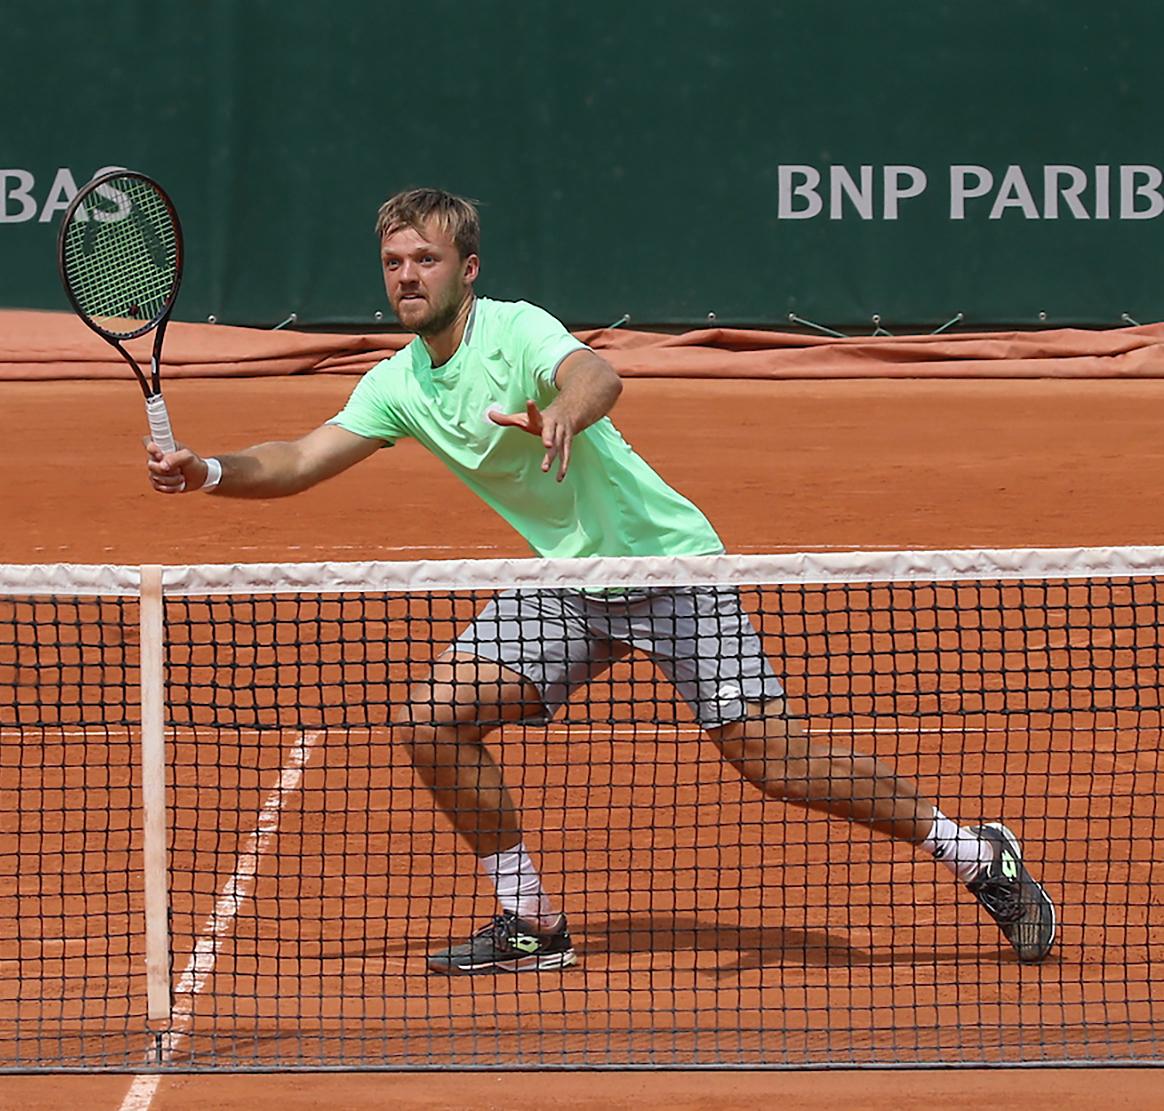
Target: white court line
[(218, 926), (141, 1093), (573, 730)]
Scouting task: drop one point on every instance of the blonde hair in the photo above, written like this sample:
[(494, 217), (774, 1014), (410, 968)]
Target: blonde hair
[(456, 216)]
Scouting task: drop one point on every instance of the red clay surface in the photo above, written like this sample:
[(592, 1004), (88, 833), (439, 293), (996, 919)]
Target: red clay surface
[(778, 466), (1070, 1090)]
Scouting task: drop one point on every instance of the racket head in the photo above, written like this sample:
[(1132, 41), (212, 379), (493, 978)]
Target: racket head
[(119, 252)]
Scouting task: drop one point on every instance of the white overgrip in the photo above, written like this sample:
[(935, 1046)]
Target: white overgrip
[(160, 431), (159, 419)]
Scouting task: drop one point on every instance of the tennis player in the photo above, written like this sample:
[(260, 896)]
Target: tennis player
[(518, 409)]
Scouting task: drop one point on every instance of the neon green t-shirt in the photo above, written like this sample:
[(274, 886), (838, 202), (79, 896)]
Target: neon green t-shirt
[(610, 502)]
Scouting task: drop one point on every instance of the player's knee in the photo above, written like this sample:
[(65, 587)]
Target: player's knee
[(434, 727), (770, 752), (431, 707), (434, 750), (759, 736), (775, 772)]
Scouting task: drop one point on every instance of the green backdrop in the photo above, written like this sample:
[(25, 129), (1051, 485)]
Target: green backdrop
[(630, 156)]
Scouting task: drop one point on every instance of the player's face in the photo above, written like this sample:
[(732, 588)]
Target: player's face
[(426, 278)]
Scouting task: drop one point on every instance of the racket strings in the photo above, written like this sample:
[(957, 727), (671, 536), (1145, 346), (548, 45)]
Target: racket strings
[(121, 256)]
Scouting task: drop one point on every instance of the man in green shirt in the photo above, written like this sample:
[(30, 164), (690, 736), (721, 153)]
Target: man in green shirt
[(518, 409)]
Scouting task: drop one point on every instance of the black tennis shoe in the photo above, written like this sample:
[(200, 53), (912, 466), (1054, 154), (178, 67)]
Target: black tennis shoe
[(508, 944), (1022, 909)]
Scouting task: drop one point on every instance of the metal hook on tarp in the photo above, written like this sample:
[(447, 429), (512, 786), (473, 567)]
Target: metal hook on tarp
[(957, 318), (283, 323)]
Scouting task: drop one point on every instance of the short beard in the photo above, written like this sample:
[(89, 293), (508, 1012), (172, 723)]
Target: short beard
[(440, 320)]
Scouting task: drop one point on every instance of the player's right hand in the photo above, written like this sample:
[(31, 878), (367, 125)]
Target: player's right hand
[(178, 472)]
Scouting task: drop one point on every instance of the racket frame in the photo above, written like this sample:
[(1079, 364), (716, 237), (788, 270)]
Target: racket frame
[(151, 387)]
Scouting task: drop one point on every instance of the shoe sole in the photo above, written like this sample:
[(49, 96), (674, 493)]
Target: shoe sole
[(1017, 849), (536, 962)]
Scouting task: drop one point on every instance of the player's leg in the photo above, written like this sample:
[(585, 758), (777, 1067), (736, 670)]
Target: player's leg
[(717, 662), (775, 753), (443, 725), (516, 662)]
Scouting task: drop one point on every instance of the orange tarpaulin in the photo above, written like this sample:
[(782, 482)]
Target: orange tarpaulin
[(46, 346)]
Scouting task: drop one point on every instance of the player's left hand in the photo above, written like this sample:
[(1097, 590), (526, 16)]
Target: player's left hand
[(556, 433)]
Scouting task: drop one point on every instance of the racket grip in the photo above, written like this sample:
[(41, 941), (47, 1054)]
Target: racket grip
[(159, 419)]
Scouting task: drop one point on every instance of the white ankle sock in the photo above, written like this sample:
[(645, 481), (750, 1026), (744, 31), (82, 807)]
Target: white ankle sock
[(518, 886), (963, 852)]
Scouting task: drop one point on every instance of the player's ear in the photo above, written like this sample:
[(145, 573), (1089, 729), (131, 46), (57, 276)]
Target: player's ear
[(472, 268)]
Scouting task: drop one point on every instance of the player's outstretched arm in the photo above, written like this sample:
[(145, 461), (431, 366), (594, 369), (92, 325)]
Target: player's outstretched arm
[(272, 470)]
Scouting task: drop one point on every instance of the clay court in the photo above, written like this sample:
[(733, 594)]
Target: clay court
[(880, 288), (780, 465)]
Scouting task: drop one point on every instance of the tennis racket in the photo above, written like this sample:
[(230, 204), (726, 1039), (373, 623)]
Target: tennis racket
[(119, 252)]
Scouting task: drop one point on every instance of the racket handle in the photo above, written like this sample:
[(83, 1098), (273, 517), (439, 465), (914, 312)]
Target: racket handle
[(160, 431)]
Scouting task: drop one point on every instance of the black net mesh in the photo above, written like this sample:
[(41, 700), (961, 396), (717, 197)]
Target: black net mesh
[(312, 874)]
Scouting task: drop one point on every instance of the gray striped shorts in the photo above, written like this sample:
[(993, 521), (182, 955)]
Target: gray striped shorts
[(700, 638)]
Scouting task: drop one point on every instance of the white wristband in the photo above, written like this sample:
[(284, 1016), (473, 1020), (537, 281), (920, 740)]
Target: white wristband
[(213, 474)]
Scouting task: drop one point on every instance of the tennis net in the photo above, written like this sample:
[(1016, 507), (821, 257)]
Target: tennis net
[(215, 852)]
